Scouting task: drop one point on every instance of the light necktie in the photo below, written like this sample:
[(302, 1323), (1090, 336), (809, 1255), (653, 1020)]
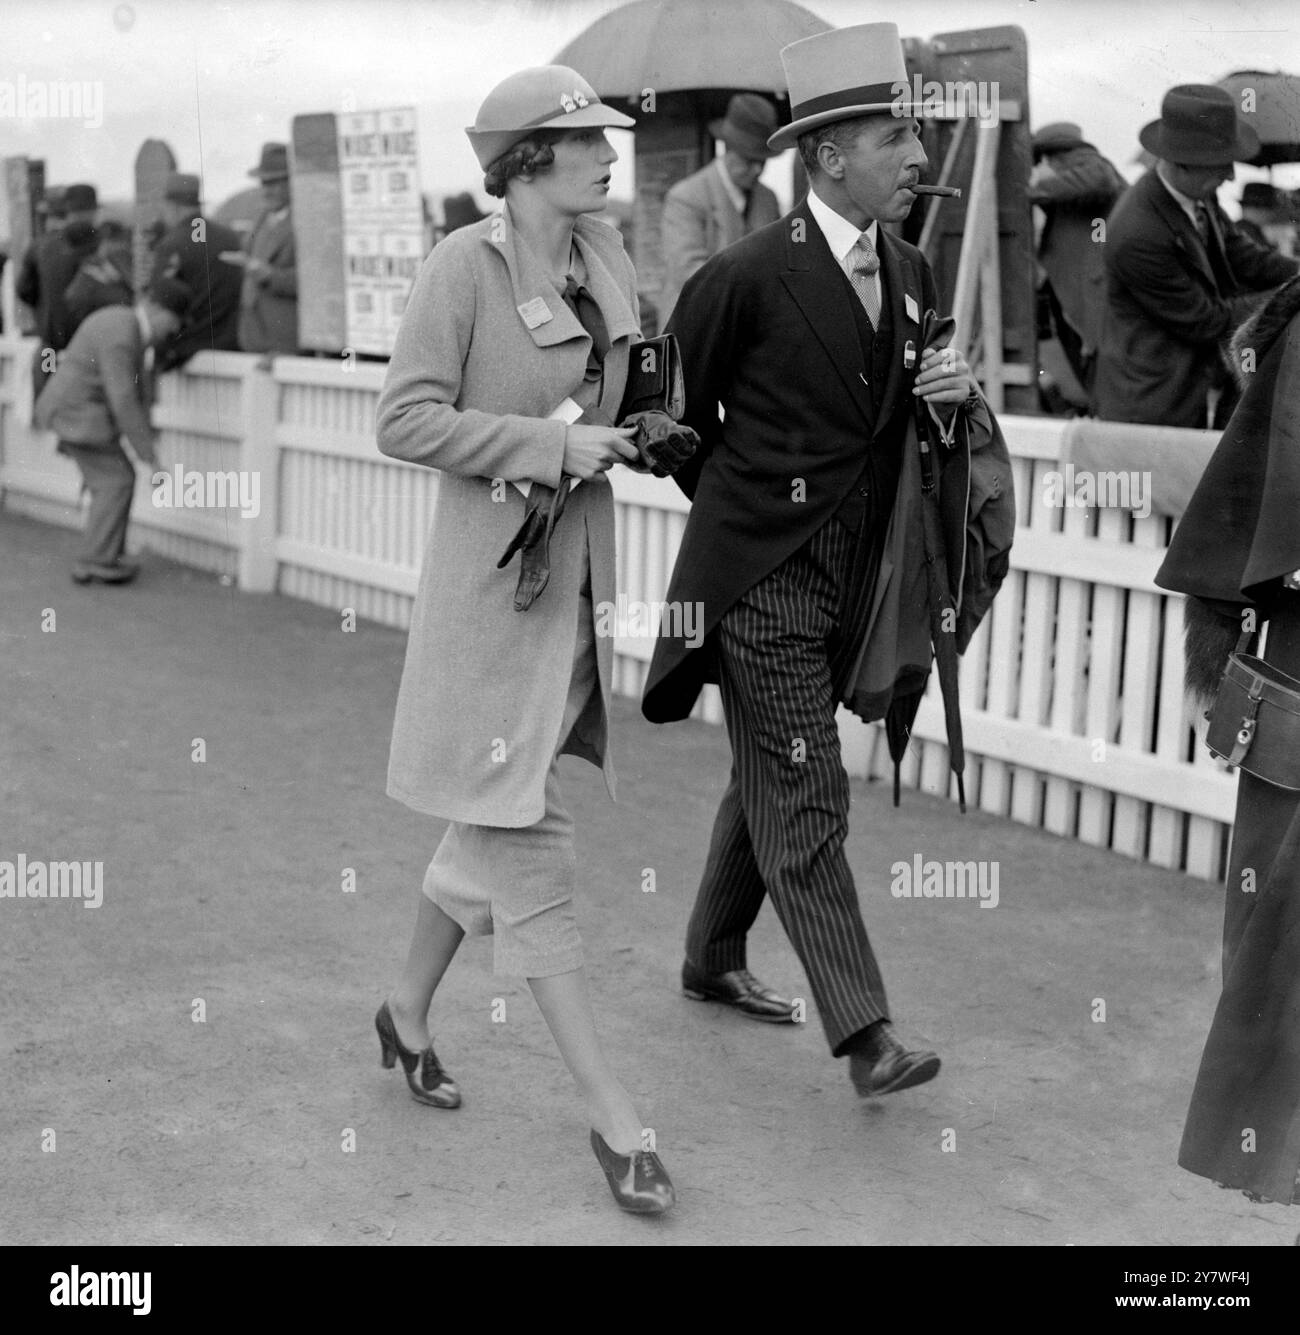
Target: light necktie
[(864, 266)]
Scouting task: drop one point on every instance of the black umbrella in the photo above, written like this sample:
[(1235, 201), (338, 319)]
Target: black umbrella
[(1270, 105), (943, 614)]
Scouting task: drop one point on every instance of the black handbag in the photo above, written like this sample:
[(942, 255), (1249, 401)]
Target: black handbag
[(1254, 723), (654, 378)]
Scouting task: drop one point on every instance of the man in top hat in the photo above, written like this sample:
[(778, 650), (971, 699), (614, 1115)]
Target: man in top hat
[(96, 397), (1180, 277), (192, 251), (50, 265), (268, 315), (807, 334), (1076, 188), (721, 202)]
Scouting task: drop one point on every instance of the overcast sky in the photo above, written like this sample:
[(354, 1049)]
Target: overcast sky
[(217, 79)]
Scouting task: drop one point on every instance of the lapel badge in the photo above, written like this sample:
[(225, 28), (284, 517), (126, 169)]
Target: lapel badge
[(535, 312), (910, 306), (909, 352)]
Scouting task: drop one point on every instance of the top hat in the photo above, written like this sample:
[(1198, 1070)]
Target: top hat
[(847, 72), (749, 123), (80, 199), (547, 97), (182, 188), (1198, 127), (1056, 138), (274, 164)]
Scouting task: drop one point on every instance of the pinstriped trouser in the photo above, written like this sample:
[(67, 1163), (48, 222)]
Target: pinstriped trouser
[(784, 651)]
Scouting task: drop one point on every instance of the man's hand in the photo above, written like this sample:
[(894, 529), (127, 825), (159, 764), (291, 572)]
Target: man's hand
[(944, 380), (590, 450)]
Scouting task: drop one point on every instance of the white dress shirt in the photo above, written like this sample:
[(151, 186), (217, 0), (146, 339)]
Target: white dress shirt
[(841, 236)]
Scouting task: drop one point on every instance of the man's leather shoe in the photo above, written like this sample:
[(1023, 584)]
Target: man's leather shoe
[(738, 988), (120, 572), (888, 1066)]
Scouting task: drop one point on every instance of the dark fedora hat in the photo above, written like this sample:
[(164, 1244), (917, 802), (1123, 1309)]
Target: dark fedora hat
[(182, 188), (749, 123), (1198, 127), (274, 164), (80, 198)]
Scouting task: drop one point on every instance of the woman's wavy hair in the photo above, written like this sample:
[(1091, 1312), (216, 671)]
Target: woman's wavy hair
[(533, 154)]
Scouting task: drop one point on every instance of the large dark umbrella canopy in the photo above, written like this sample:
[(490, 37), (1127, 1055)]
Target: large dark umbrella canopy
[(1276, 118), (682, 45)]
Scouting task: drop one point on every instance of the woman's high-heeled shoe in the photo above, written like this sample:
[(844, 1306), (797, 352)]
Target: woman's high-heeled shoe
[(640, 1183), (428, 1082)]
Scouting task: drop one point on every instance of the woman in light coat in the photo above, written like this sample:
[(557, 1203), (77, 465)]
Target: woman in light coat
[(491, 369)]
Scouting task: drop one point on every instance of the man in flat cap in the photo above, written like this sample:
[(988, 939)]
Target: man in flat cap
[(268, 316), (723, 201), (96, 397), (1180, 277), (191, 251)]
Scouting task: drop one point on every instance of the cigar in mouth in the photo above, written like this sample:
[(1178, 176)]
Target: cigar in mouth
[(946, 191)]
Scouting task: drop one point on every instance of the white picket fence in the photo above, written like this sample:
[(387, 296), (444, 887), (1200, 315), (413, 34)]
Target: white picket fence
[(1075, 719)]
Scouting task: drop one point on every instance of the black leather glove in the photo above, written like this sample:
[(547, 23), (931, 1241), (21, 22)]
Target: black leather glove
[(544, 507), (664, 445)]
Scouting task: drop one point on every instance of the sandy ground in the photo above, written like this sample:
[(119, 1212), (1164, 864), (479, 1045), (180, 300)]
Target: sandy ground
[(222, 883)]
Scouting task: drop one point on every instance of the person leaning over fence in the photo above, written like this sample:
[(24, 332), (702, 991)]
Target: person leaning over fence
[(1236, 554), (97, 396), (509, 368)]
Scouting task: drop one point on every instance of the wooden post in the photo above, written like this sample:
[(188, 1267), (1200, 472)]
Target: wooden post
[(260, 454)]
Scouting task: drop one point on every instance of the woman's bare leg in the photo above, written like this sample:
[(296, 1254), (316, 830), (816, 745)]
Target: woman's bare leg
[(566, 1006), (433, 944)]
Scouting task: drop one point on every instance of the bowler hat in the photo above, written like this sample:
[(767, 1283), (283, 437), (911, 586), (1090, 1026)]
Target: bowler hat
[(749, 123), (80, 199), (1056, 138), (1198, 127), (544, 98), (843, 73), (274, 164), (182, 188), (171, 294)]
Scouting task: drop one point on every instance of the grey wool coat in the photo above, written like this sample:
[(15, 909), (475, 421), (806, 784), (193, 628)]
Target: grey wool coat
[(486, 351)]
